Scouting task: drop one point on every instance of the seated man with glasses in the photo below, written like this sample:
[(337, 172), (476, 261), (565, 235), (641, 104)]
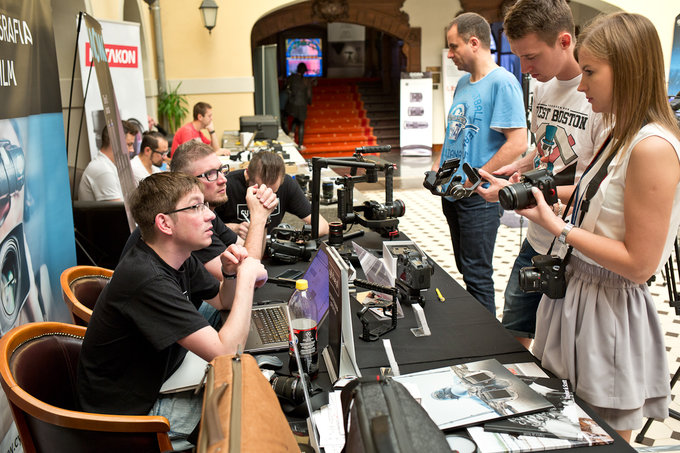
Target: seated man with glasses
[(153, 149), (198, 159), (147, 317)]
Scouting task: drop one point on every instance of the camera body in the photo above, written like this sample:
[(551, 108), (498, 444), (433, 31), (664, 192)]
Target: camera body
[(414, 270), (519, 196), (413, 274), (374, 210), (545, 276)]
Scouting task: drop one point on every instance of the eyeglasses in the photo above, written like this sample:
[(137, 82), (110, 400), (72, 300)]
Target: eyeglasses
[(162, 153), (197, 208), (211, 175)]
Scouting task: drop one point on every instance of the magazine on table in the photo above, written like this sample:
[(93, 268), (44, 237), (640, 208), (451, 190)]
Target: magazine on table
[(566, 425), (470, 393)]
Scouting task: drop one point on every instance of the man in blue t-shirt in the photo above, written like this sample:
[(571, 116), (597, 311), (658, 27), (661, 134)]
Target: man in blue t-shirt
[(486, 127)]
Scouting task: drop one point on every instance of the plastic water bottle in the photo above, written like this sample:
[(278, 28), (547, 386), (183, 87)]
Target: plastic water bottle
[(303, 320)]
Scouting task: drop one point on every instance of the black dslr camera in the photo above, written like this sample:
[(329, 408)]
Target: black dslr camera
[(545, 276), (413, 275), (374, 210), (519, 196)]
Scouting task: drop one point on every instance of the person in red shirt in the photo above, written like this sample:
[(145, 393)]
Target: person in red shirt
[(203, 120)]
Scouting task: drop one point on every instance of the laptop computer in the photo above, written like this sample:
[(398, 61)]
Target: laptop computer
[(268, 323)]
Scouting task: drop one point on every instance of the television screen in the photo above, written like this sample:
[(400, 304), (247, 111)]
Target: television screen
[(307, 51)]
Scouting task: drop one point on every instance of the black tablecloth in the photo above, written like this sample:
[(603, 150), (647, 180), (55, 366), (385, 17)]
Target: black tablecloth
[(462, 330)]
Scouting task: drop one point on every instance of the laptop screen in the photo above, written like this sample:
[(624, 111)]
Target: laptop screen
[(317, 279)]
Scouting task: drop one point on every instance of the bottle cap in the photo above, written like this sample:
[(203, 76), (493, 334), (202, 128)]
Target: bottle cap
[(301, 284)]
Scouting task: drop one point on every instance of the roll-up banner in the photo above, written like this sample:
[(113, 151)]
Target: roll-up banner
[(123, 55), (415, 114), (36, 225)]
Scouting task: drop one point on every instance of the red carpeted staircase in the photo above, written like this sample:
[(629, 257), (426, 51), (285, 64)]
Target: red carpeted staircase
[(336, 120)]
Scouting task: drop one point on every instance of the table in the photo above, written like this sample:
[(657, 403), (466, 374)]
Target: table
[(462, 331)]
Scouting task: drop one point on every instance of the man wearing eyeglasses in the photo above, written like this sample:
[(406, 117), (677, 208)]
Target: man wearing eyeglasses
[(197, 159), (153, 149), (147, 317)]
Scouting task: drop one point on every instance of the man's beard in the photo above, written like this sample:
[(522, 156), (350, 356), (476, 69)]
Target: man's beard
[(218, 201)]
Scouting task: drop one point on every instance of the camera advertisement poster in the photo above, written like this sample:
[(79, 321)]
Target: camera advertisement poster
[(416, 114), (36, 225), (123, 54)]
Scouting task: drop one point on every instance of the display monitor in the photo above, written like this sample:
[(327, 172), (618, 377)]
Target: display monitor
[(307, 51)]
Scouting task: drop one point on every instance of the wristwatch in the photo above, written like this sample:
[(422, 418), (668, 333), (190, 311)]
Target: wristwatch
[(210, 132), (565, 231)]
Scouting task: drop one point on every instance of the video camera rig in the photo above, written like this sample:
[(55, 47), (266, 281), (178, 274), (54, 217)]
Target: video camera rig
[(288, 245), (435, 180), (382, 218)]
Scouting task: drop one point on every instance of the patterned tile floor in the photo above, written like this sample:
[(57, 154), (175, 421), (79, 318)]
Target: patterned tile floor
[(427, 226)]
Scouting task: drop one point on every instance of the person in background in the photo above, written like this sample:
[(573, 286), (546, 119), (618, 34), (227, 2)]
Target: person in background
[(203, 121), (605, 335), (541, 34), (99, 181), (299, 96), (486, 128), (153, 150), (147, 318), (265, 168)]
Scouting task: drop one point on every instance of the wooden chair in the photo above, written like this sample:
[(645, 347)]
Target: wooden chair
[(80, 286), (38, 363)]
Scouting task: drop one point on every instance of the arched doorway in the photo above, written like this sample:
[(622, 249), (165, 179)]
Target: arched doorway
[(385, 21)]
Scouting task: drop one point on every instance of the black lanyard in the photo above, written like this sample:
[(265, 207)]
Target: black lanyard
[(591, 190)]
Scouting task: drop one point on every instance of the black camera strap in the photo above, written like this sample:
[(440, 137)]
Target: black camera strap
[(590, 192)]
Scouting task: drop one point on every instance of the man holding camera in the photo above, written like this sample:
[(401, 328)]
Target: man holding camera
[(486, 128), (147, 317), (541, 34), (265, 168)]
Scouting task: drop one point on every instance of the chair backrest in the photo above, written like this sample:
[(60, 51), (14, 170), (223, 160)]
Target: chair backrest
[(80, 286), (38, 365)]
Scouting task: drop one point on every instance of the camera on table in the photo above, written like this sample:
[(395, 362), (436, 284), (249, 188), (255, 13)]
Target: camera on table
[(289, 388), (374, 210), (519, 196), (288, 245), (545, 276), (413, 275)]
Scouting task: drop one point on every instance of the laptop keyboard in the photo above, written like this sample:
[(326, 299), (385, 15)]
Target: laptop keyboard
[(272, 325)]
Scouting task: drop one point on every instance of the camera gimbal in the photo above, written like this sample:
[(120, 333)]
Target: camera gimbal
[(378, 217)]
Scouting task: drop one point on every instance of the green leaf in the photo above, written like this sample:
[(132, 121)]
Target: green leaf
[(172, 108)]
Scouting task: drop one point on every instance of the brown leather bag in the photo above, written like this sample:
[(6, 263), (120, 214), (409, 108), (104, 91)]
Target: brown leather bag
[(241, 412)]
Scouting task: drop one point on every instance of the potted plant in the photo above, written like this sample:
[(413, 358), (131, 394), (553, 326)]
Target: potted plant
[(172, 108)]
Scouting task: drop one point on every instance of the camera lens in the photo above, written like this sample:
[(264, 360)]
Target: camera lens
[(288, 388), (10, 275), (516, 196), (530, 279), (335, 233), (397, 209)]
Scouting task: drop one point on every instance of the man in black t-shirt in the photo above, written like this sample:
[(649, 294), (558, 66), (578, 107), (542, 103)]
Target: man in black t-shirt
[(198, 159), (147, 317), (265, 167)]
